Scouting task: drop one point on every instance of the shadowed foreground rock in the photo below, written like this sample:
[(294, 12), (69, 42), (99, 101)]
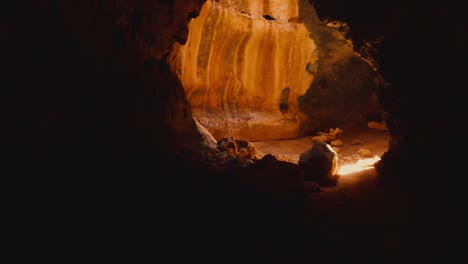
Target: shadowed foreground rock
[(278, 179)]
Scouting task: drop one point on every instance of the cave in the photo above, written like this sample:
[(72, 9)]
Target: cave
[(117, 112), (271, 72)]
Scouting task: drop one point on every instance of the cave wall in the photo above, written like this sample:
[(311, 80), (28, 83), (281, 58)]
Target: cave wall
[(255, 70), (347, 79), (90, 82), (88, 77), (411, 63), (244, 66)]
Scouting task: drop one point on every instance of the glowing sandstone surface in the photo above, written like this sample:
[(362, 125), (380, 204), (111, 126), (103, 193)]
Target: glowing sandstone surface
[(244, 65)]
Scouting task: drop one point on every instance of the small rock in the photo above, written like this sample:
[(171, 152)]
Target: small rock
[(283, 158), (336, 143), (364, 153), (327, 137), (321, 138)]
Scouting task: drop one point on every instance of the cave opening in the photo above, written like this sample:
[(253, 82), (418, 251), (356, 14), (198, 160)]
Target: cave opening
[(281, 77)]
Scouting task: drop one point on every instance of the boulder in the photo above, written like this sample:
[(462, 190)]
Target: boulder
[(320, 164)]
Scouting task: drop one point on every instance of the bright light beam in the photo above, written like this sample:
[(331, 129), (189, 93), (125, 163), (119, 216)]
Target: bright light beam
[(360, 165)]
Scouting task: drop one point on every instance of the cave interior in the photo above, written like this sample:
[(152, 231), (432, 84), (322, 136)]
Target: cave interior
[(118, 110)]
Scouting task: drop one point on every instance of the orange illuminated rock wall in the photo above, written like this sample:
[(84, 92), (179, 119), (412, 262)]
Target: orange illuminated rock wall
[(244, 66)]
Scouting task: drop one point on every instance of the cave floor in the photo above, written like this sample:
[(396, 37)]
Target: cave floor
[(372, 139), (376, 141), (358, 218)]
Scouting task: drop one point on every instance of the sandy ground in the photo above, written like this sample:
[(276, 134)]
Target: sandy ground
[(372, 139)]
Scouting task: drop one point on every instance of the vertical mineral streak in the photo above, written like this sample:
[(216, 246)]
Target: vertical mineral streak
[(238, 58)]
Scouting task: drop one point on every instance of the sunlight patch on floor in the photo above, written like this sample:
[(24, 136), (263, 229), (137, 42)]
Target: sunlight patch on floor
[(360, 165)]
